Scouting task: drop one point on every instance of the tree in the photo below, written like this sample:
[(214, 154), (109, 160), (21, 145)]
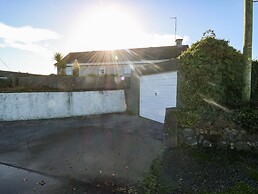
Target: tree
[(60, 63)]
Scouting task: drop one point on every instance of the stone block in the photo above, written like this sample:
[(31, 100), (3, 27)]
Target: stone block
[(242, 146), (206, 143), (188, 132), (180, 139), (200, 139), (191, 141), (215, 132), (221, 124), (222, 145)]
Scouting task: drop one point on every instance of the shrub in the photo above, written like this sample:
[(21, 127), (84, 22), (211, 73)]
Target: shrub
[(210, 80), (152, 183), (5, 83), (247, 118), (255, 82)]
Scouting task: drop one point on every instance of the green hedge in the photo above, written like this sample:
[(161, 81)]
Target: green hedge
[(247, 118), (255, 82), (210, 80)]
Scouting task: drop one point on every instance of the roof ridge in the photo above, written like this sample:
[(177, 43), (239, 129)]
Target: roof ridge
[(174, 46), (132, 54)]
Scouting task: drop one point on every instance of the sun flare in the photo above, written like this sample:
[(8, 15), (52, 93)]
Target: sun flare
[(108, 28), (112, 27)]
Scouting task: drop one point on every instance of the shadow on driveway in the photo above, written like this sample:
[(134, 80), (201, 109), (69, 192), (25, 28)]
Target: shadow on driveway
[(113, 147)]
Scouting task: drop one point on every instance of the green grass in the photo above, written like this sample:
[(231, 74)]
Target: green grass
[(156, 181), (152, 183), (253, 173), (200, 156)]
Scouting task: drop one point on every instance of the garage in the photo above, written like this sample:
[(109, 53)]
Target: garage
[(157, 92)]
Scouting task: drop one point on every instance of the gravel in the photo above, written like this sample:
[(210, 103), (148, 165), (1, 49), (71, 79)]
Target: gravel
[(195, 170)]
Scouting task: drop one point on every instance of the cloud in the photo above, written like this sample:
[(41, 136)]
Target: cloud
[(26, 38), (112, 27), (30, 47), (94, 41), (156, 39)]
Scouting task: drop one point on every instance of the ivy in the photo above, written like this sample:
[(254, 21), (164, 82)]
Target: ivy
[(210, 79)]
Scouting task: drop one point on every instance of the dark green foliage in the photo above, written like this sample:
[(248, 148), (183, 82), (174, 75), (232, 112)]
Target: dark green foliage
[(255, 83), (247, 118), (209, 33), (60, 63), (200, 155), (187, 117), (253, 173), (210, 79), (5, 83), (152, 183)]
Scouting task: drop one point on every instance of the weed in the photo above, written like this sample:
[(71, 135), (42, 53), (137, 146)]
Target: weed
[(152, 183), (253, 173)]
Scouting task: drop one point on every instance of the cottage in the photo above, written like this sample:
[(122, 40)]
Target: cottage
[(120, 62)]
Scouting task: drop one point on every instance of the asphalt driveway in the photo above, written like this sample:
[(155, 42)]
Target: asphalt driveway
[(116, 147)]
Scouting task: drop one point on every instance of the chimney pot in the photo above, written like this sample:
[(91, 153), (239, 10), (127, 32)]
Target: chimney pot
[(179, 42)]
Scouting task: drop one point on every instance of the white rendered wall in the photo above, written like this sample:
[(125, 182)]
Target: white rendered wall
[(44, 105)]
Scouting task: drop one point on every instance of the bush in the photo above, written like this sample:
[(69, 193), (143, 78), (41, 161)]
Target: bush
[(5, 83), (247, 118), (210, 80), (255, 82), (152, 183)]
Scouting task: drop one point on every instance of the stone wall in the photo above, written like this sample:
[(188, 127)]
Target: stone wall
[(226, 138), (221, 134)]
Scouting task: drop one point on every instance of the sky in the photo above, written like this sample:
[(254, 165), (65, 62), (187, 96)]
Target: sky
[(31, 31)]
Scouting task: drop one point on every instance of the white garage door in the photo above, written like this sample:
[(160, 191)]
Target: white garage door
[(157, 92)]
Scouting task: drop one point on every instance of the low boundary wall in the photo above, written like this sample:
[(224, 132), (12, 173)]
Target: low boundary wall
[(45, 105)]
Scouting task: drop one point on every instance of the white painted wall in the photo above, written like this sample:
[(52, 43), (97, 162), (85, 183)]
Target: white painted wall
[(44, 105), (157, 92)]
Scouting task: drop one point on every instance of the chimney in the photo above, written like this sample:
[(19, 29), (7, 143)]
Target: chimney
[(179, 42)]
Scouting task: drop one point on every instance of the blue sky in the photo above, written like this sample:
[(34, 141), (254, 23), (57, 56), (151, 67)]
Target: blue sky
[(32, 30)]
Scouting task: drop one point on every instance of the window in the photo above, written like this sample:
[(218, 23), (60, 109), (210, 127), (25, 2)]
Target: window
[(101, 70), (127, 70), (69, 71)]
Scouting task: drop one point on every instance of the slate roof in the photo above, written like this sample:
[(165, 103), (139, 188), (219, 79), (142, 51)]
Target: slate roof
[(166, 66), (138, 54)]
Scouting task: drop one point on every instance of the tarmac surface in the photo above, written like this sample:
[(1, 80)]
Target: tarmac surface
[(81, 152)]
